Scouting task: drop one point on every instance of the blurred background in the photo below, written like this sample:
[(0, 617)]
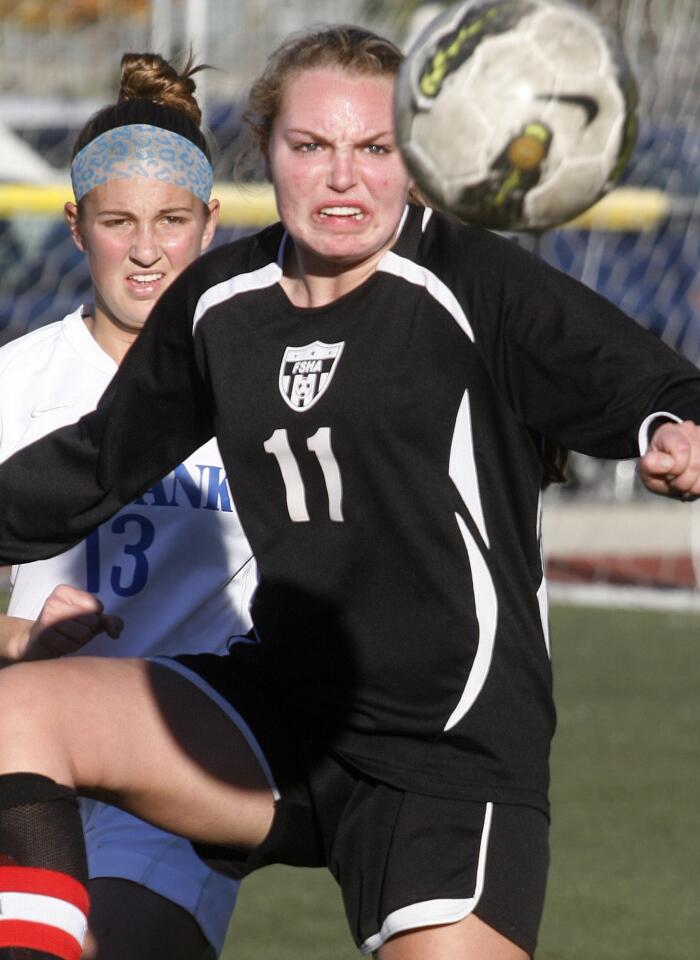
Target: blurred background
[(59, 61), (626, 824)]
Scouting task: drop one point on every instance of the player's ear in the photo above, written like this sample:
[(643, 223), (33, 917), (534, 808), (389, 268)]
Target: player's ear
[(212, 222), (70, 215)]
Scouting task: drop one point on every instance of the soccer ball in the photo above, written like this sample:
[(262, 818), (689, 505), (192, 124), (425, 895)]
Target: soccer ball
[(515, 114)]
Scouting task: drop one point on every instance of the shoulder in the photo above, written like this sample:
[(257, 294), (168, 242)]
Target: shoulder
[(490, 272), (225, 266), (456, 264), (458, 254), (457, 245), (241, 255), (44, 383), (25, 350), (243, 266)]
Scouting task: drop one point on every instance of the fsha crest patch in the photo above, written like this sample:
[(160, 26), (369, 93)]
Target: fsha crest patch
[(306, 373)]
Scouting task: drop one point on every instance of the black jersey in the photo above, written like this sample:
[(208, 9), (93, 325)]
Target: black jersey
[(384, 452)]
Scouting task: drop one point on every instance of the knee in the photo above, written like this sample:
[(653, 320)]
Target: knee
[(37, 704)]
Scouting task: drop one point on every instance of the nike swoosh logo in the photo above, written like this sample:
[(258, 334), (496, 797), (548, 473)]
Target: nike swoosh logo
[(41, 411), (576, 100)]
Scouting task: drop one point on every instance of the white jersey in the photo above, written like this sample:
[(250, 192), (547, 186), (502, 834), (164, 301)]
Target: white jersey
[(175, 563)]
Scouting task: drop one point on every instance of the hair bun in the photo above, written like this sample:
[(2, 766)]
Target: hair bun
[(149, 76)]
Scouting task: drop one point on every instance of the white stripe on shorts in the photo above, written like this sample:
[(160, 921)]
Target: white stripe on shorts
[(48, 911), (432, 913), (230, 712)]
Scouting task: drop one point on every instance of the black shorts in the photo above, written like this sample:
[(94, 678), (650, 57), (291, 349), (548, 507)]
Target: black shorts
[(403, 860)]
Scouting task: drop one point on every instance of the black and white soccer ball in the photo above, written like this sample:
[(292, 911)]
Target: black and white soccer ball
[(515, 114)]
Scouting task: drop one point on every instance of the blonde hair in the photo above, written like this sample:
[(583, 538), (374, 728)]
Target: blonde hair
[(353, 49), (350, 48)]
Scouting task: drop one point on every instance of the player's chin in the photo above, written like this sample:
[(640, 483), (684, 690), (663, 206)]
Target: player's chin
[(337, 236), (360, 245), (134, 321)]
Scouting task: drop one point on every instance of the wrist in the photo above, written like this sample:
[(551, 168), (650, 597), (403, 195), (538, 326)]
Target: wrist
[(15, 634), (649, 427)]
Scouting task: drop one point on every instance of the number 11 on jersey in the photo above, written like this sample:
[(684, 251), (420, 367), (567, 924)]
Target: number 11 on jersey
[(320, 444)]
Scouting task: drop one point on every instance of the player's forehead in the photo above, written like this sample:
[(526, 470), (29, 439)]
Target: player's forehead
[(142, 196), (332, 100)]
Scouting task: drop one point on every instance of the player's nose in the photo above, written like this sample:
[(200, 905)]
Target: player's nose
[(342, 170), (144, 247)]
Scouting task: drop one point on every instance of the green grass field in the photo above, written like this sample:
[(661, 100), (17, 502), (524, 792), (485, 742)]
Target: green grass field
[(626, 808)]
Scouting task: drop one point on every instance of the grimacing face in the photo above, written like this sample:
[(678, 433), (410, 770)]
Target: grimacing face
[(138, 235), (339, 179)]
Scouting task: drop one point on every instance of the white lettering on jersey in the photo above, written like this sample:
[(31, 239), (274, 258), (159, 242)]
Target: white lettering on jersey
[(320, 444), (306, 373)]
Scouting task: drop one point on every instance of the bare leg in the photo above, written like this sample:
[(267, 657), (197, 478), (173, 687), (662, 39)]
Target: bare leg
[(468, 939), (129, 922), (137, 735)]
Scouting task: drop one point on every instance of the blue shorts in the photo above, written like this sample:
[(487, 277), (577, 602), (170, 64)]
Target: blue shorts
[(121, 846)]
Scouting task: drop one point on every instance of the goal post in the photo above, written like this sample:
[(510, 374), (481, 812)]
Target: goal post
[(245, 205), (627, 209)]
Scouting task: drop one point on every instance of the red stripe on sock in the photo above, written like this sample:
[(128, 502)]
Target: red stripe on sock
[(49, 883), (39, 936)]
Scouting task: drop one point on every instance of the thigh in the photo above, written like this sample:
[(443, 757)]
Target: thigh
[(127, 920), (467, 939), (138, 735), (429, 874)]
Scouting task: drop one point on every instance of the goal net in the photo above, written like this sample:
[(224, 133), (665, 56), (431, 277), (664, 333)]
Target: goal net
[(651, 271)]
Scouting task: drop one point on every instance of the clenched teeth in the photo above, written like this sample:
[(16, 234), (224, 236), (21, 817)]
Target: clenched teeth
[(146, 277), (354, 212)]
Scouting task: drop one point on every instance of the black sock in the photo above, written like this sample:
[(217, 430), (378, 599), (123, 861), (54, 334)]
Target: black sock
[(42, 855)]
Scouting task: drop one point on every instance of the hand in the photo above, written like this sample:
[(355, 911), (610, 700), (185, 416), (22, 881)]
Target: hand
[(68, 620), (671, 465)]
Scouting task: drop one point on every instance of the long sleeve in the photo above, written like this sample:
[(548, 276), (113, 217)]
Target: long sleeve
[(583, 373), (155, 412), (570, 365)]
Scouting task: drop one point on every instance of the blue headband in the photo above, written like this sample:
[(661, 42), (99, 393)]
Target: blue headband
[(141, 150)]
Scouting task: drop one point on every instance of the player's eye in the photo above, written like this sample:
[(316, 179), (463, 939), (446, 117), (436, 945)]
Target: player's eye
[(308, 147), (377, 149)]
